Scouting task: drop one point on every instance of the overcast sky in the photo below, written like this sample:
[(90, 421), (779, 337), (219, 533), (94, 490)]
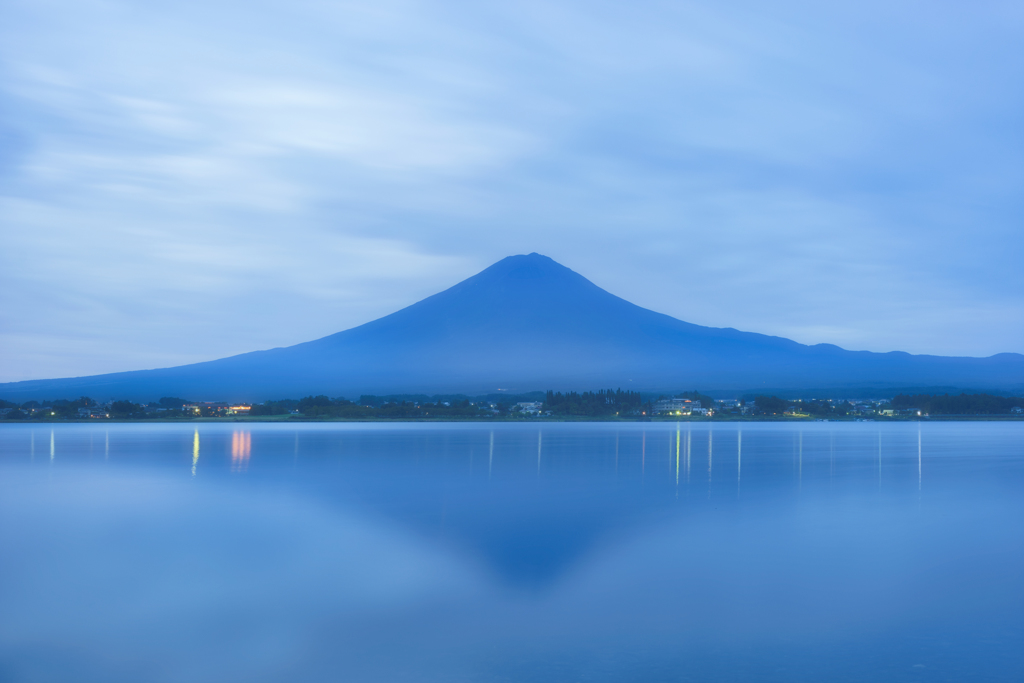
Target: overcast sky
[(185, 181)]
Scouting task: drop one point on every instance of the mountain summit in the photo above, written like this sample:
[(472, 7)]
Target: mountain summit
[(528, 323)]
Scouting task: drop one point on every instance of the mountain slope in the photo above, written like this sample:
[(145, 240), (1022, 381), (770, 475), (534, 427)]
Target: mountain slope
[(529, 323)]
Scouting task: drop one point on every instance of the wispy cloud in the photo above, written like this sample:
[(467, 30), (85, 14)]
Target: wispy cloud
[(221, 176)]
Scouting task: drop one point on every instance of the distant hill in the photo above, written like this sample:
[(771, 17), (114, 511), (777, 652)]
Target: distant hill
[(530, 323)]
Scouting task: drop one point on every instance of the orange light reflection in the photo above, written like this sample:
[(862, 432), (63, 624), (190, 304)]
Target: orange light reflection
[(241, 448)]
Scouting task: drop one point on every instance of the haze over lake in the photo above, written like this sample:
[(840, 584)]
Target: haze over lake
[(515, 551)]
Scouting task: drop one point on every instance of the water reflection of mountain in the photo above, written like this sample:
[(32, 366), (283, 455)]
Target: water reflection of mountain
[(521, 504), (530, 509), (528, 539), (531, 502)]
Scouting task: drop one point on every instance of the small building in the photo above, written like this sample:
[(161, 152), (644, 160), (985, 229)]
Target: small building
[(206, 408), (674, 406), (529, 407)]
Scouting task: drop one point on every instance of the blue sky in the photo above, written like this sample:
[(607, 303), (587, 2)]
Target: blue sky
[(185, 181)]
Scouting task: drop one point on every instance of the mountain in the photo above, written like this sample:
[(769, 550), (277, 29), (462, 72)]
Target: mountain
[(529, 323)]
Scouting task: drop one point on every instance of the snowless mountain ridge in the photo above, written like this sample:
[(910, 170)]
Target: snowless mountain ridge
[(529, 323)]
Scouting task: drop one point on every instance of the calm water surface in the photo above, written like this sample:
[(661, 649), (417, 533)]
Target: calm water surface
[(512, 552)]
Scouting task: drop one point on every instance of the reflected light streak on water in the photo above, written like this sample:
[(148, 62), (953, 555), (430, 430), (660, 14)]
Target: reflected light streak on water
[(241, 449), (739, 457), (195, 452), (539, 435), (677, 457), (800, 460)]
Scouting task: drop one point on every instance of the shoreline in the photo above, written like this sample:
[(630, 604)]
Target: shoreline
[(306, 420)]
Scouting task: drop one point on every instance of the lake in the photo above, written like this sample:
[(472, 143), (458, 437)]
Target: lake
[(512, 552)]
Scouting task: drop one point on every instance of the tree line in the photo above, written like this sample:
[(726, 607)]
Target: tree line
[(964, 404), (604, 403)]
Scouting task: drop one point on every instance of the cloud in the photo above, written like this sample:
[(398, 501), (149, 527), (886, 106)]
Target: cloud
[(248, 176)]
